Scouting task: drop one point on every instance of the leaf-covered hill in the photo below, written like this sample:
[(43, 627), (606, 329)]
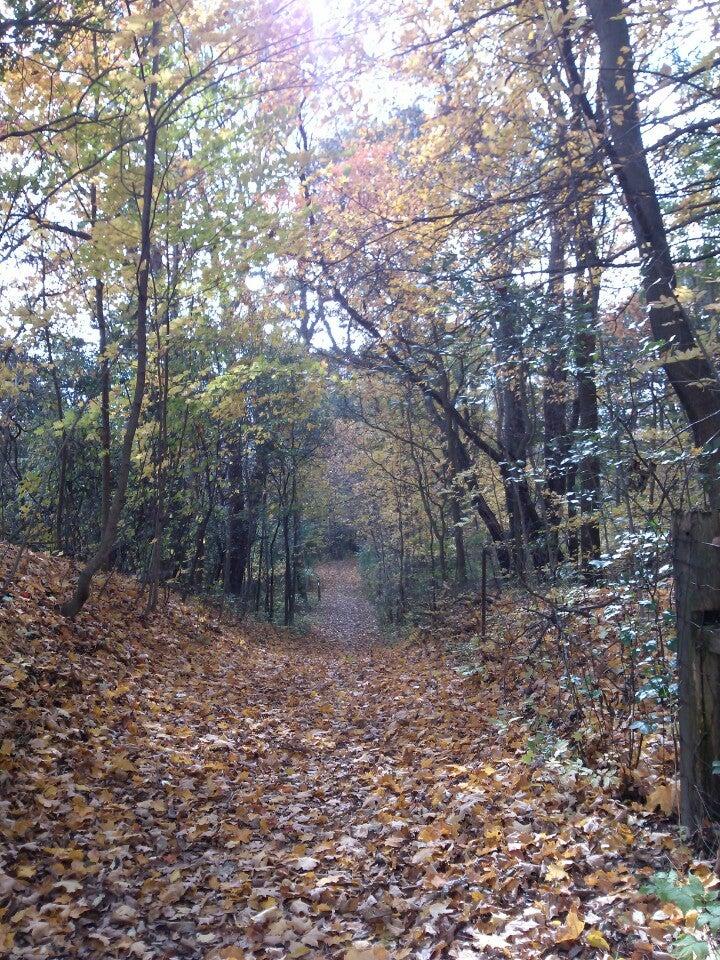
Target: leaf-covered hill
[(177, 787)]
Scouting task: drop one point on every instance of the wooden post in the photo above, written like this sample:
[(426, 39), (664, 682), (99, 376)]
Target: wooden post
[(483, 593), (697, 585)]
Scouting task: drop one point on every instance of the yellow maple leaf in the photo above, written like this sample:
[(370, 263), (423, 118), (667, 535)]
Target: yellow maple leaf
[(571, 930), (556, 872), (664, 797)]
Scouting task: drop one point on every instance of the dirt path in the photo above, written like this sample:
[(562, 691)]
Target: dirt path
[(277, 799), (344, 615)]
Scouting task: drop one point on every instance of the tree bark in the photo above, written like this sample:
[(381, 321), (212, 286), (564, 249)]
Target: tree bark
[(554, 398), (689, 370), (236, 521), (75, 603), (587, 297), (514, 431), (104, 383)]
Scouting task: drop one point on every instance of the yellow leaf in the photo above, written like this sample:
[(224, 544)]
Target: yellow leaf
[(227, 953), (64, 853), (664, 797), (595, 939), (571, 930), (366, 952), (555, 872), (123, 764)]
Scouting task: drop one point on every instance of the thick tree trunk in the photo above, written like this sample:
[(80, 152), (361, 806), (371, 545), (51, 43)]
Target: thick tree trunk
[(689, 370)]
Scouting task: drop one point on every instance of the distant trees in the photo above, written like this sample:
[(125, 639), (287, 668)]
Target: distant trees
[(144, 185), (486, 250), (198, 202)]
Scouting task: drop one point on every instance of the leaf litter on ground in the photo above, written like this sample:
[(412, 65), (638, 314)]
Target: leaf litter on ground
[(179, 787)]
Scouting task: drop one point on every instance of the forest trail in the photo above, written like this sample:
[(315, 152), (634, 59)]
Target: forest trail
[(344, 614), (181, 791)]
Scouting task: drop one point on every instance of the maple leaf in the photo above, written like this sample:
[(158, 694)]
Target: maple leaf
[(663, 797), (556, 872), (571, 930)]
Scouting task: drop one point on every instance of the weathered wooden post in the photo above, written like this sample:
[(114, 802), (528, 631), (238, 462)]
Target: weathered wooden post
[(697, 585)]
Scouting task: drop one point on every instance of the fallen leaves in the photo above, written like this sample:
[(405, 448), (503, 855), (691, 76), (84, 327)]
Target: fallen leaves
[(663, 797), (367, 952), (174, 788)]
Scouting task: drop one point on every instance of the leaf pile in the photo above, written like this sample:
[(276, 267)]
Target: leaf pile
[(177, 788)]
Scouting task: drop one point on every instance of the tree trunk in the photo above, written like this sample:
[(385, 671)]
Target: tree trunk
[(514, 431), (554, 399), (63, 451), (104, 384), (587, 296), (236, 545), (693, 378), (289, 605), (451, 440), (697, 575), (74, 604)]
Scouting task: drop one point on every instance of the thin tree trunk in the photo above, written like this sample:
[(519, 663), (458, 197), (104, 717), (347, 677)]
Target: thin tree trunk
[(75, 603), (525, 524), (587, 299), (555, 399), (63, 452), (104, 384)]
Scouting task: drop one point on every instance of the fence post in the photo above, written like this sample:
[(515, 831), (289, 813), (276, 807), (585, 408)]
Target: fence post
[(696, 542)]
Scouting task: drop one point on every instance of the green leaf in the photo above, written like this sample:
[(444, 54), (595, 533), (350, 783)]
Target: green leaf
[(688, 947), (687, 896)]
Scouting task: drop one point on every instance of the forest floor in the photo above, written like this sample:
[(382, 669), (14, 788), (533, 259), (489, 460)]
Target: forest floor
[(177, 787)]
